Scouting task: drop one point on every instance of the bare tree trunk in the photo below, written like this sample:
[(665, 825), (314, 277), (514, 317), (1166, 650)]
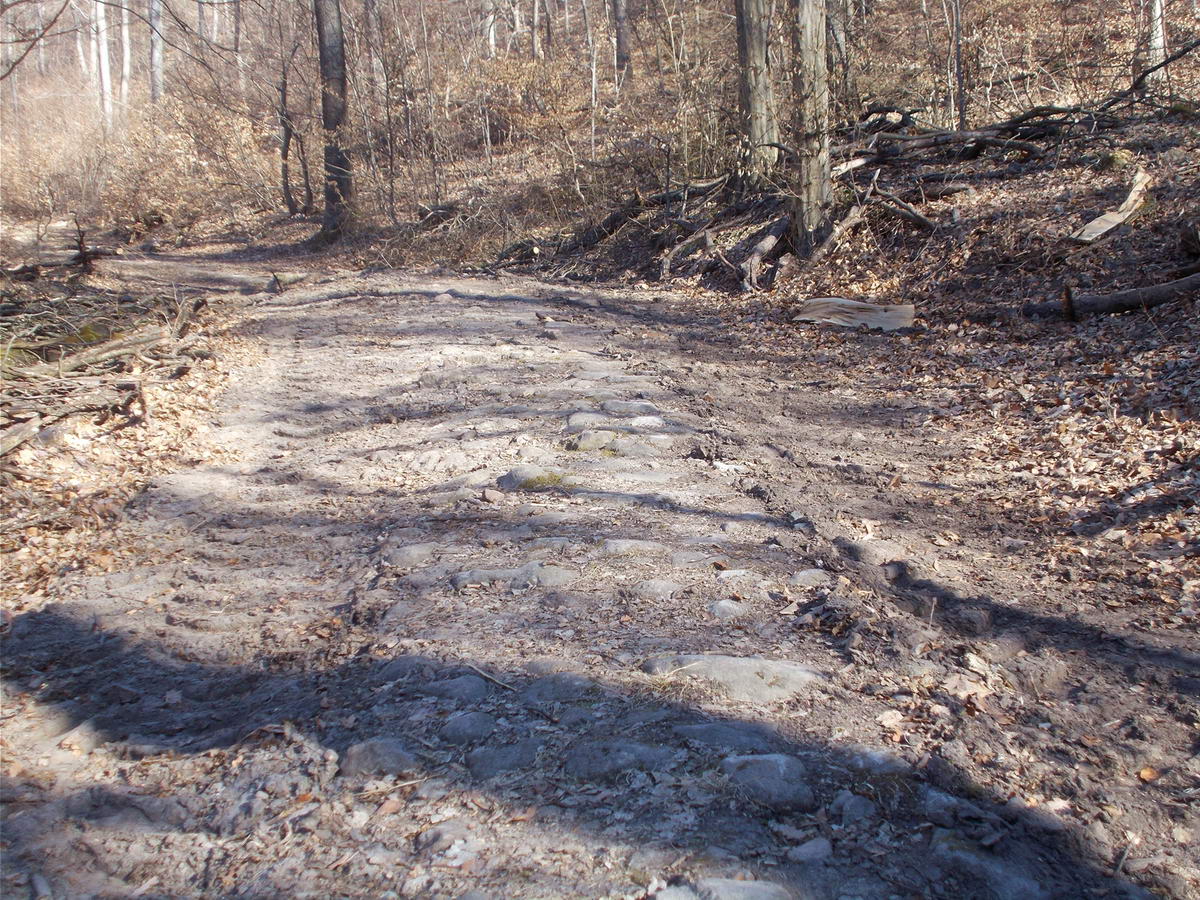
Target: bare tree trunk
[(1157, 40), (100, 42), (156, 50), (813, 196), (202, 19), (83, 48), (286, 130), (41, 44), (839, 53), (548, 11), (489, 28), (126, 55), (534, 35), (624, 65), (215, 27), (332, 54), (757, 98), (960, 80)]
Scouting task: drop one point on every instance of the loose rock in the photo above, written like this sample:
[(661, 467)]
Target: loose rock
[(378, 756), (775, 780)]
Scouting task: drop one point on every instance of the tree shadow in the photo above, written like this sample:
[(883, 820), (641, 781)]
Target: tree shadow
[(575, 760)]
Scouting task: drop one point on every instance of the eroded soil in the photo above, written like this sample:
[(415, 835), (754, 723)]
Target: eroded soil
[(496, 588)]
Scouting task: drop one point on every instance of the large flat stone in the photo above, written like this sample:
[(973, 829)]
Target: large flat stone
[(745, 678)]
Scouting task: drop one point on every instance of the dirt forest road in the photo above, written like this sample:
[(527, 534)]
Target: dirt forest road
[(492, 588)]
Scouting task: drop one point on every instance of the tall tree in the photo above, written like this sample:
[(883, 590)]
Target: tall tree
[(156, 50), (489, 28), (756, 96), (331, 51), (126, 54), (100, 52), (813, 188), (1157, 39), (621, 26), (535, 48)]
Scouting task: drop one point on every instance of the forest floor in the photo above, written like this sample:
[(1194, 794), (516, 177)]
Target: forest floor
[(436, 586)]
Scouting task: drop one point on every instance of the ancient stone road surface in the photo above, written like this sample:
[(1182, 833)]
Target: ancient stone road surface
[(469, 596)]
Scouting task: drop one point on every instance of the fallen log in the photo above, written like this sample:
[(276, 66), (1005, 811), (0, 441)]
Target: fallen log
[(1118, 302), (986, 137)]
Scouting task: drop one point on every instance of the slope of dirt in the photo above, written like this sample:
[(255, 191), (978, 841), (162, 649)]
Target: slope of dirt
[(498, 588)]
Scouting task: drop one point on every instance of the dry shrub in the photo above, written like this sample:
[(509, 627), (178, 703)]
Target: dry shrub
[(172, 163)]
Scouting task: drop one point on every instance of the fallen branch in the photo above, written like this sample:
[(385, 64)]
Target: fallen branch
[(16, 435), (1118, 302), (1138, 81), (907, 211), (122, 346), (840, 229), (987, 137), (749, 267)]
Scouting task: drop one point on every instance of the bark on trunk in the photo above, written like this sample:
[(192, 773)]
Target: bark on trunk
[(756, 95), (624, 64), (813, 193), (1157, 43), (286, 130), (535, 37), (126, 56), (489, 28), (332, 53), (156, 51), (100, 42)]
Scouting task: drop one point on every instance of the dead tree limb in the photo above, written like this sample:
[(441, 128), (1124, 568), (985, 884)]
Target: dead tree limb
[(1118, 302), (122, 346), (907, 211), (1141, 77), (840, 229), (16, 435), (611, 223), (750, 266)]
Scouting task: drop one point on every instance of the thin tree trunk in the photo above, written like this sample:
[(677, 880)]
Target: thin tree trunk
[(331, 51), (215, 27), (534, 32), (83, 48), (202, 19), (810, 213), (489, 28), (286, 130), (41, 44), (126, 55), (548, 11), (624, 64), (1157, 43), (100, 39), (156, 51), (757, 98)]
